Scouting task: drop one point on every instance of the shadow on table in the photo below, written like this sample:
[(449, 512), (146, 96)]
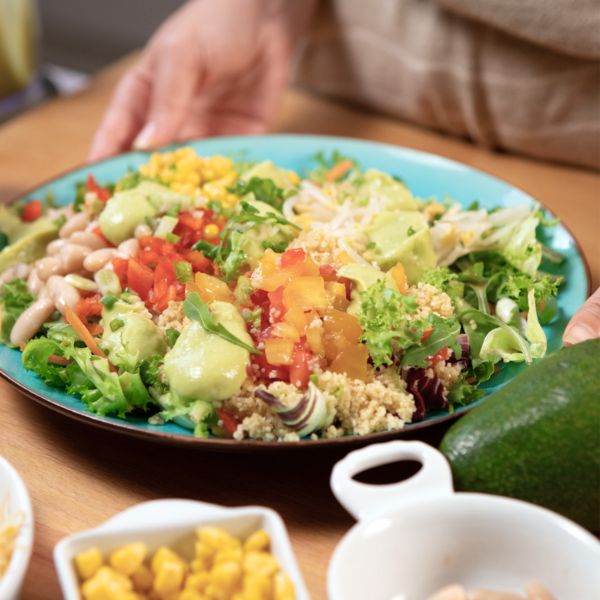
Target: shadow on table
[(293, 482)]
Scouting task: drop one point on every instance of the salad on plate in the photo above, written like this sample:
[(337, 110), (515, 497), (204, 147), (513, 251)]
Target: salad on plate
[(250, 301)]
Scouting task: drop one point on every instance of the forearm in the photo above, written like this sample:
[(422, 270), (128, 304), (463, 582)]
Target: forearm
[(566, 26)]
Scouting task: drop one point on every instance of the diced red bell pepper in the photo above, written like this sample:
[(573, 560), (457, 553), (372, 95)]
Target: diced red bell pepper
[(328, 273), (276, 302), (120, 268), (300, 369), (140, 278), (92, 186), (198, 260), (32, 211), (230, 423), (293, 256), (442, 354)]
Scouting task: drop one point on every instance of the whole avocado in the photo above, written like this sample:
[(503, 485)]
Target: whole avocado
[(537, 438)]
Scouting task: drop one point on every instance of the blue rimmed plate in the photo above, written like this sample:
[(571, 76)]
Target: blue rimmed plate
[(425, 174)]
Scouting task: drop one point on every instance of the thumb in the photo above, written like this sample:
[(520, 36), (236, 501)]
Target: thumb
[(585, 324)]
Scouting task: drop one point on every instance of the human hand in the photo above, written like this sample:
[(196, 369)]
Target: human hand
[(212, 68), (585, 323)]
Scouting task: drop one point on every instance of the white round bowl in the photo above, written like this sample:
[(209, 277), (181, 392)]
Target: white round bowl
[(14, 501), (417, 536), (173, 523)]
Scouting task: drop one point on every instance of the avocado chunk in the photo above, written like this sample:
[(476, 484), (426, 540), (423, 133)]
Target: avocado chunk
[(396, 196), (267, 170), (127, 209), (27, 241), (130, 335), (204, 366), (264, 235), (537, 437), (401, 236)]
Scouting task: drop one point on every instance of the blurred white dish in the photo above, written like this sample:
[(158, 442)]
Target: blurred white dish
[(15, 505), (418, 535), (173, 523)]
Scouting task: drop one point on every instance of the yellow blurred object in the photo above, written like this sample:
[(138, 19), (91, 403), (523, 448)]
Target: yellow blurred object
[(223, 568), (18, 44), (8, 536), (184, 171)]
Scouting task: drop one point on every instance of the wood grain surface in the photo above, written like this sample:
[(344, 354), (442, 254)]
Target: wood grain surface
[(79, 476)]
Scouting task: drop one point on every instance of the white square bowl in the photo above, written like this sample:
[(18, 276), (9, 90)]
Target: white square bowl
[(14, 501), (173, 523)]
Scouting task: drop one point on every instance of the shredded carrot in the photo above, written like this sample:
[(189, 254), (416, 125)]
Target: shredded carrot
[(54, 359), (76, 323), (338, 170)]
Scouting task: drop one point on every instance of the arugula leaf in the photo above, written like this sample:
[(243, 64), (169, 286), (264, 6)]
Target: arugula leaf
[(264, 190), (326, 163), (4, 241), (229, 255), (444, 333), (196, 310), (387, 319), (14, 299)]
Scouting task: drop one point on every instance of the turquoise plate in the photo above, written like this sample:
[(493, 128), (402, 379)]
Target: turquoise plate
[(425, 174)]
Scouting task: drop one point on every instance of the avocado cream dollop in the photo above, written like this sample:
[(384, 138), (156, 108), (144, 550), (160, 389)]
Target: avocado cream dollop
[(204, 366)]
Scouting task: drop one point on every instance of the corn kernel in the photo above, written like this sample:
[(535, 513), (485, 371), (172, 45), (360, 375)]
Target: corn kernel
[(142, 579), (229, 555), (197, 581), (105, 584), (226, 576), (129, 558), (283, 588), (164, 555), (259, 540), (191, 595), (257, 587), (211, 231), (169, 577), (260, 563), (217, 538), (88, 562)]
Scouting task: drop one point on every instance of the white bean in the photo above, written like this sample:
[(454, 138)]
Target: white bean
[(96, 260), (129, 248), (55, 246), (62, 293), (48, 266), (75, 223), (85, 238), (142, 230), (72, 257), (34, 283), (31, 320)]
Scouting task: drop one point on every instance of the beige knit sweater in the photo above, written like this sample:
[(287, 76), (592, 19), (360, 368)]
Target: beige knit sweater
[(517, 75)]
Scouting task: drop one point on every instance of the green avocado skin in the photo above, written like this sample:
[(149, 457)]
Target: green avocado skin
[(538, 437)]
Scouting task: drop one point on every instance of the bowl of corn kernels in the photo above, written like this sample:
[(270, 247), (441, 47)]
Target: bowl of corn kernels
[(181, 550), (16, 531)]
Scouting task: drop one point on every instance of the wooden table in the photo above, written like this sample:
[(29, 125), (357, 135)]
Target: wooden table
[(79, 476)]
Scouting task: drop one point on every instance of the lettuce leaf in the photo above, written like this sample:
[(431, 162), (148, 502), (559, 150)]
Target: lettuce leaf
[(14, 299), (521, 247), (103, 390), (444, 333), (389, 326)]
